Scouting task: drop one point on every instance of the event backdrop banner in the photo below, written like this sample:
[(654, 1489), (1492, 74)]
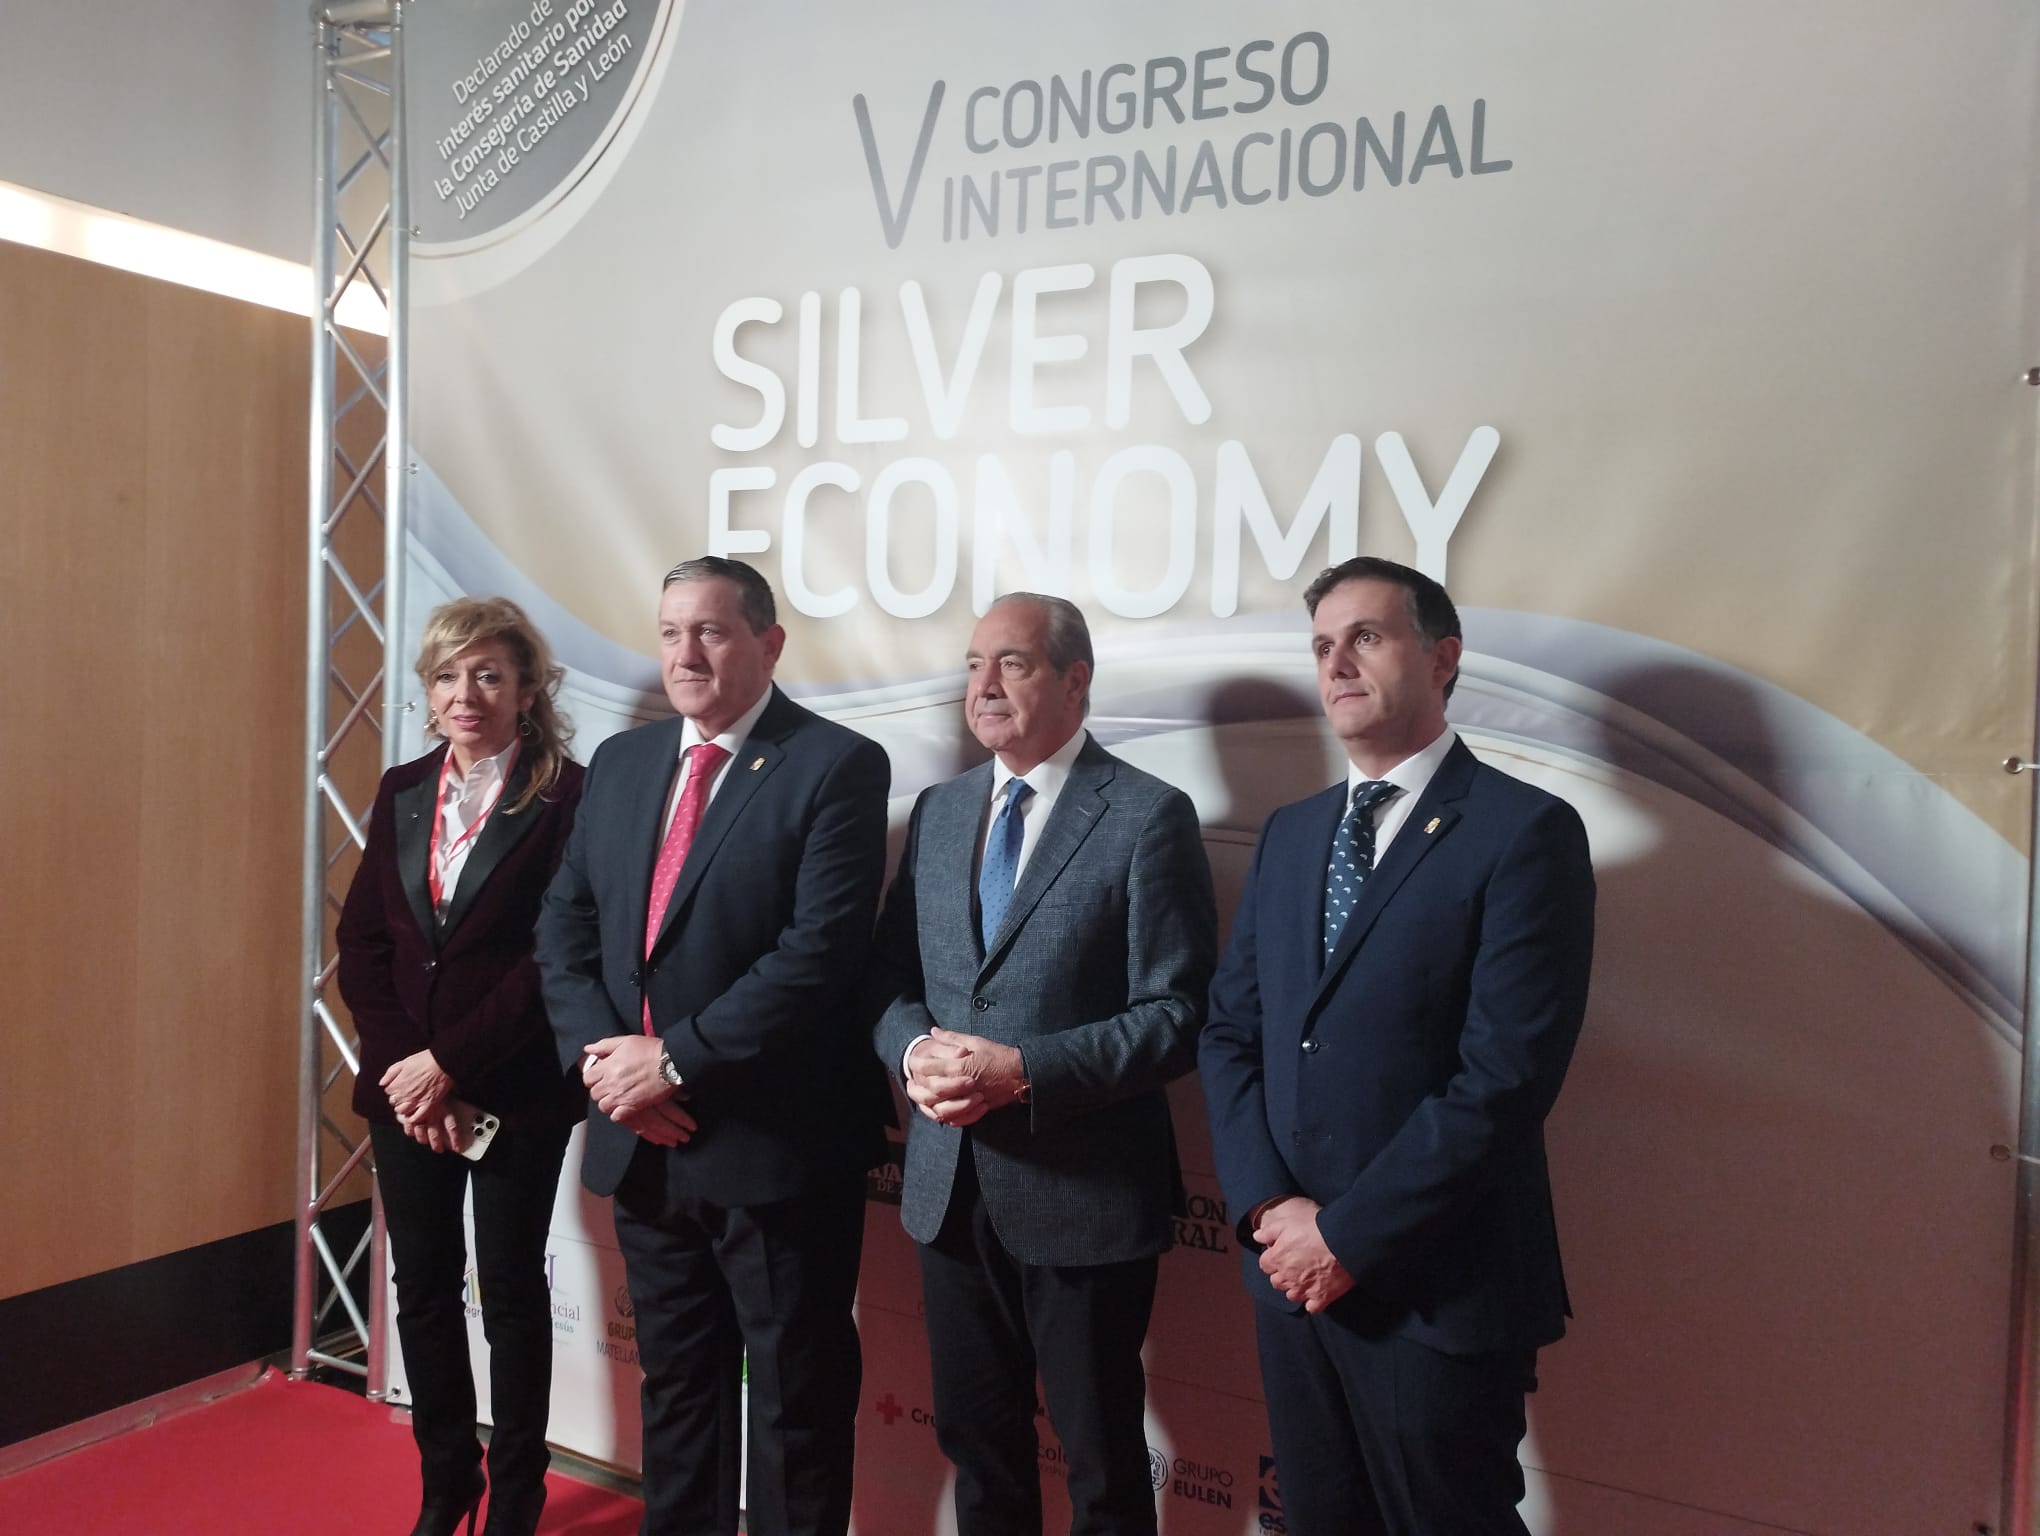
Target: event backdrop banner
[(1684, 341)]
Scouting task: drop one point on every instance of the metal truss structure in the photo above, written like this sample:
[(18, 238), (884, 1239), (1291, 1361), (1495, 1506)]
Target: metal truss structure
[(354, 603)]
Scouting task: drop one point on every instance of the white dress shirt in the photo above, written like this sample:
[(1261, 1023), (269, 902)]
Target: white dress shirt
[(1411, 777), (731, 741), (465, 801)]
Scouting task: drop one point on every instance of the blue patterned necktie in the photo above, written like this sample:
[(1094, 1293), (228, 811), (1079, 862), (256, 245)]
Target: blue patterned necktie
[(1002, 860), (1352, 858)]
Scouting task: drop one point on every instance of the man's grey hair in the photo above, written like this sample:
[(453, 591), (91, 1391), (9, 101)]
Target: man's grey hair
[(1069, 637), (754, 592)]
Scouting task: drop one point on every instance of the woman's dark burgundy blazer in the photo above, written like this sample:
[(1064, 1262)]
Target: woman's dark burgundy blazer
[(466, 988)]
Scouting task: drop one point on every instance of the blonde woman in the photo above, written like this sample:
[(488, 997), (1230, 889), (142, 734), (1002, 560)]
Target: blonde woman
[(436, 964)]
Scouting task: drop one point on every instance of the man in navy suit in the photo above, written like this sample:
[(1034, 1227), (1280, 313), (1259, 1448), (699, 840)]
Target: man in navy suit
[(1042, 965), (701, 947), (1389, 1027)]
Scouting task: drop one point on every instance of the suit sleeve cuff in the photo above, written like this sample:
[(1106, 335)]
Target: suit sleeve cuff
[(1252, 1212), (1372, 1268)]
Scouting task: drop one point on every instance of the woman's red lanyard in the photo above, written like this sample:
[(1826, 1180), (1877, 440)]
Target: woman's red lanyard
[(434, 858)]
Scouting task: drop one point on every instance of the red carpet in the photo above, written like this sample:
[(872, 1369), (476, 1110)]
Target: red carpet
[(279, 1457)]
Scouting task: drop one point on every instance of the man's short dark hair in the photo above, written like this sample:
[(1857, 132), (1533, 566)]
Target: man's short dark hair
[(1431, 612), (1067, 639), (754, 592)]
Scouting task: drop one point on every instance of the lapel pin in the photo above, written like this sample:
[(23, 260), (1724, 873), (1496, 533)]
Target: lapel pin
[(757, 763), (1431, 826)]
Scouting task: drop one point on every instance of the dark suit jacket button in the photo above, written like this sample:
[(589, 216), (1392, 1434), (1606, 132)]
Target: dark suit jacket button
[(635, 979), (431, 965), (1310, 1047), (981, 1003)]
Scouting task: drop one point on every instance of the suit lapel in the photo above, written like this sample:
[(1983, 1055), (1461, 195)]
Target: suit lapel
[(1430, 821), (645, 816), (500, 833), (1322, 819), (951, 829), (762, 753), (1077, 810), (412, 809)]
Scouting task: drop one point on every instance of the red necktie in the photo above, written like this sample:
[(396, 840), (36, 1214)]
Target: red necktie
[(703, 763)]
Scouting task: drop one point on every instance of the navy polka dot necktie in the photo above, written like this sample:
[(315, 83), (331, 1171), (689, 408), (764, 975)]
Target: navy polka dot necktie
[(1352, 859)]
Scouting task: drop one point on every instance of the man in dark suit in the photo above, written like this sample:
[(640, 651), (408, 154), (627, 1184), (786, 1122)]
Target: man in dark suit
[(701, 948), (1042, 964), (1389, 1027)]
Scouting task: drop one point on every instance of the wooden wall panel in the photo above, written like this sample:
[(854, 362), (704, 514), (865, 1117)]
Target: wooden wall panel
[(152, 490)]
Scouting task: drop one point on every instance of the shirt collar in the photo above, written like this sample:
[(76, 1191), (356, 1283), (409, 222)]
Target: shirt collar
[(486, 774), (732, 740), (1047, 777), (1413, 774)]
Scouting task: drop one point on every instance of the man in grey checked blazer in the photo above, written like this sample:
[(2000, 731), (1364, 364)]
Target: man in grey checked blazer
[(1034, 1025)]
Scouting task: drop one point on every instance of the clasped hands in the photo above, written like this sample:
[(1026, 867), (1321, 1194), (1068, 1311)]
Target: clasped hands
[(955, 1079), (427, 1109), (1294, 1256), (622, 1074)]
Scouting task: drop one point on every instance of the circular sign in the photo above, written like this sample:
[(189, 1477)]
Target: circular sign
[(509, 102)]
